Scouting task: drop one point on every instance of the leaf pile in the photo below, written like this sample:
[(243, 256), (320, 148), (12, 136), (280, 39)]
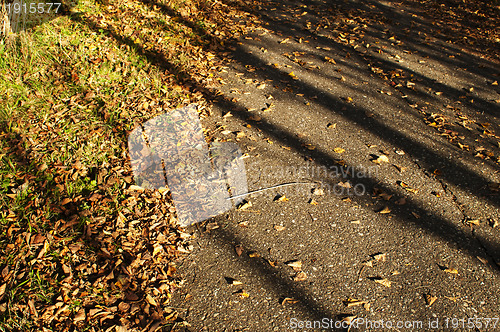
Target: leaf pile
[(83, 246)]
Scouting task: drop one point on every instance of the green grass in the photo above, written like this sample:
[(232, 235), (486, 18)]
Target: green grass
[(72, 87)]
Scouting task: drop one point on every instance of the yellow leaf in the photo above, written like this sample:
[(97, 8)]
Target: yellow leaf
[(450, 270), (245, 205), (338, 150), (429, 299), (475, 222), (385, 210)]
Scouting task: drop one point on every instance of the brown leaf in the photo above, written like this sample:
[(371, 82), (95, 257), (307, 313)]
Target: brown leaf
[(80, 316), (279, 228), (239, 249)]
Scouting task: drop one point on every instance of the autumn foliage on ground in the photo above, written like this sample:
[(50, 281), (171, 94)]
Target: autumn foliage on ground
[(82, 246)]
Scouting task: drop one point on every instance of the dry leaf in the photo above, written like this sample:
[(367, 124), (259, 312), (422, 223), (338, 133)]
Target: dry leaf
[(245, 205), (312, 202), (232, 281), (295, 264), (353, 302), (253, 254), (281, 198), (380, 257), (150, 300), (429, 299), (380, 159), (318, 191), (382, 281), (450, 270), (475, 222), (301, 276), (289, 300), (242, 293), (385, 210), (239, 249), (338, 150), (243, 223), (279, 228)]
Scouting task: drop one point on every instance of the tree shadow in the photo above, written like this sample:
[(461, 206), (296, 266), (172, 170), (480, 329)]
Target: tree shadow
[(460, 176)]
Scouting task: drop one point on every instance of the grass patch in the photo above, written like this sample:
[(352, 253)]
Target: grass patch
[(79, 249)]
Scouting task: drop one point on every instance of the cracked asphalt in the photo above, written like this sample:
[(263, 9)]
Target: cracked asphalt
[(388, 134)]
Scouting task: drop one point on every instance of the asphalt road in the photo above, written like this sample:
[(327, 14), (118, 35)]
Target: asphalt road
[(395, 130)]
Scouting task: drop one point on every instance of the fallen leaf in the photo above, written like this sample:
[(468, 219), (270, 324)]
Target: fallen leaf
[(254, 117), (385, 210), (281, 198), (239, 249), (380, 257), (301, 276), (80, 316), (242, 293), (474, 222), (384, 282), (289, 300), (318, 191), (244, 205), (380, 159), (295, 264), (338, 150), (150, 300), (312, 202), (353, 302), (450, 270), (279, 228), (243, 223), (429, 299), (253, 254), (407, 187), (232, 281), (401, 201)]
